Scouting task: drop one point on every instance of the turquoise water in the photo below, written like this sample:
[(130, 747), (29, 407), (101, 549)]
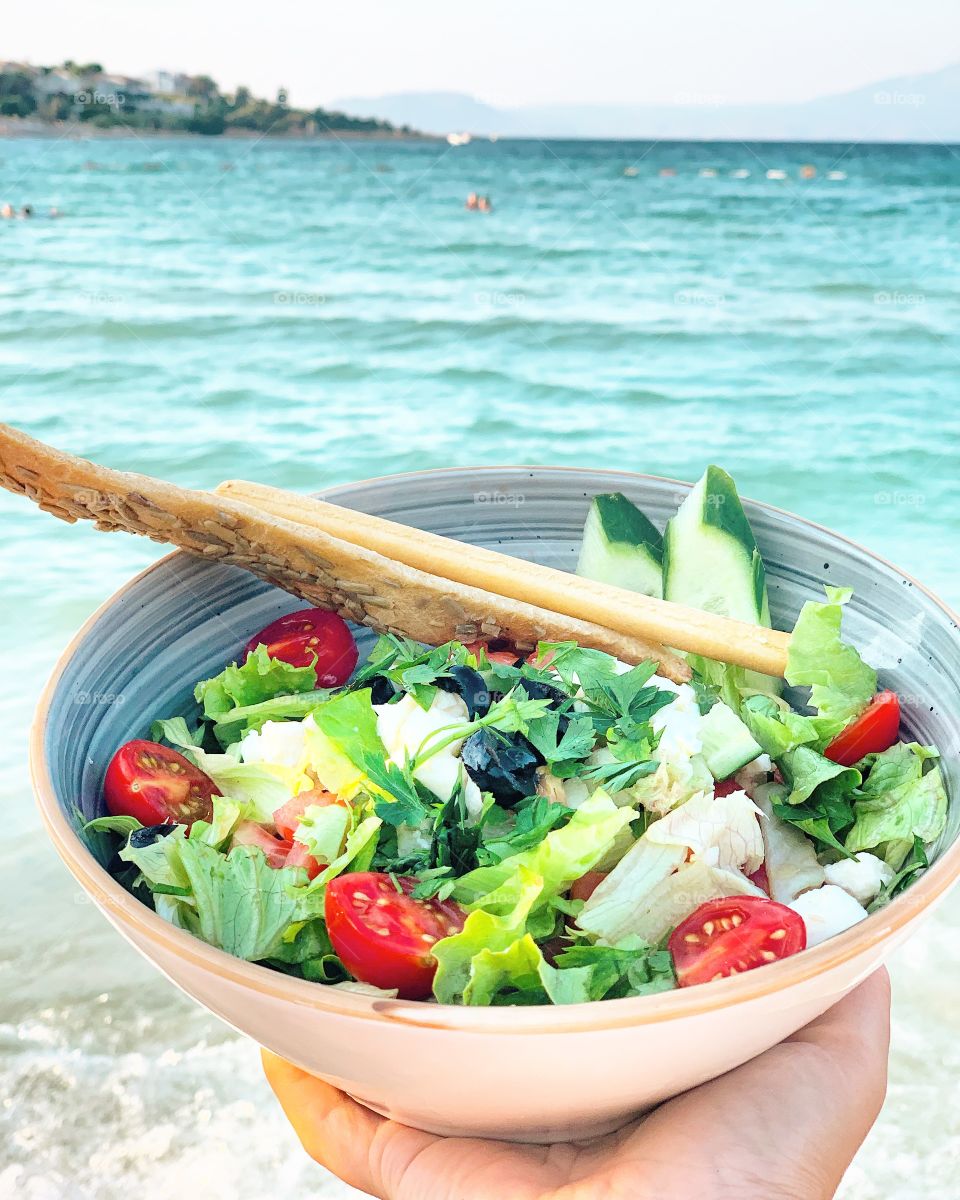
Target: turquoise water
[(306, 314)]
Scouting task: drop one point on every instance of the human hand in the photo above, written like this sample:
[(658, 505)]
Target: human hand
[(782, 1127)]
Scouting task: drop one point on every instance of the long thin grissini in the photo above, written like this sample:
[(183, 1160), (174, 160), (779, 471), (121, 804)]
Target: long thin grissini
[(660, 621), (364, 586)]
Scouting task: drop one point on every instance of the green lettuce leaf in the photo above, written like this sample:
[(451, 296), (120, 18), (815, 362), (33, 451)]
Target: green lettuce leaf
[(259, 678), (563, 856), (489, 930), (902, 799), (629, 968), (243, 906), (841, 684), (806, 772), (777, 728)]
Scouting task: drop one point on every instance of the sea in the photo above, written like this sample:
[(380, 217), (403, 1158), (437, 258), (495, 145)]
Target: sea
[(306, 313)]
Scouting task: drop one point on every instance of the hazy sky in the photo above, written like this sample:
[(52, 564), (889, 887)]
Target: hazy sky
[(503, 51)]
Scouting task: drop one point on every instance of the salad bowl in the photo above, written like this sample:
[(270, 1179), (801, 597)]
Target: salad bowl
[(521, 1073)]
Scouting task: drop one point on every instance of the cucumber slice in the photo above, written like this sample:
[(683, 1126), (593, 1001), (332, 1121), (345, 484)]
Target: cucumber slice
[(621, 546), (728, 744), (711, 560)]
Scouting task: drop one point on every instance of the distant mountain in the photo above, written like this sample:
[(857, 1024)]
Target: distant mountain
[(911, 108)]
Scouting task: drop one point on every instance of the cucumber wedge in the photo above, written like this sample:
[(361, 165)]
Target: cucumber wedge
[(621, 546), (728, 744), (711, 560)]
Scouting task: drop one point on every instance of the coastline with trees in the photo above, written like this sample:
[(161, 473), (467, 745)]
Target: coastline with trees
[(84, 98)]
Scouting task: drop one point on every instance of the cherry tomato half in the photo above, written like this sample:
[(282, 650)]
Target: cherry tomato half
[(287, 816), (385, 937), (311, 634), (157, 785), (874, 730), (733, 934)]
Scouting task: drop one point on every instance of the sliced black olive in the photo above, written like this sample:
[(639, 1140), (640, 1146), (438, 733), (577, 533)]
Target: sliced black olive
[(468, 684), (141, 838), (504, 765), (543, 691), (382, 690)]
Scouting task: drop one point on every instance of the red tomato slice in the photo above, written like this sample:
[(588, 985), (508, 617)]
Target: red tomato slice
[(584, 887), (287, 816), (874, 730), (311, 637), (299, 856), (733, 934), (498, 651), (726, 787), (385, 937), (157, 785), (276, 850)]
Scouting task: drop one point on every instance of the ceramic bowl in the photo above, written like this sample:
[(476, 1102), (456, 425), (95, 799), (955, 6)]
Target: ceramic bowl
[(535, 1074)]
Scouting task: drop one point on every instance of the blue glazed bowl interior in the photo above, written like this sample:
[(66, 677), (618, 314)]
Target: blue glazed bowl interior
[(184, 619)]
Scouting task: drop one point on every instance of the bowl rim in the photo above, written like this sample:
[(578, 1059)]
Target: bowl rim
[(120, 906)]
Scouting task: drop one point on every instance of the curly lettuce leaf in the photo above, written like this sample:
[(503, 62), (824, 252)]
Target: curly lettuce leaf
[(233, 901), (260, 678), (841, 683), (488, 930), (777, 728), (902, 799), (563, 856)]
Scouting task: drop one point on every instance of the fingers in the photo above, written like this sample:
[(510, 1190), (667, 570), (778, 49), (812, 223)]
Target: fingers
[(788, 1123), (333, 1129), (394, 1162)]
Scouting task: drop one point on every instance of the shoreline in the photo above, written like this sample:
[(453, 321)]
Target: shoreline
[(80, 131)]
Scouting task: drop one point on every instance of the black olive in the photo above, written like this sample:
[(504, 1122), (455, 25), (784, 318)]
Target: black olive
[(470, 686), (505, 765), (382, 690), (141, 838), (546, 691)]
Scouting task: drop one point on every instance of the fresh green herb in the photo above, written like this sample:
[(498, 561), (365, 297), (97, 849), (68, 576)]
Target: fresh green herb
[(510, 714), (562, 752), (534, 818)]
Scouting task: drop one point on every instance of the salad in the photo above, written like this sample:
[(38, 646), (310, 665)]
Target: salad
[(489, 824)]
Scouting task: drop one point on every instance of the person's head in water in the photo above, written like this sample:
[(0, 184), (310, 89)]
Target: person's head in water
[(7, 211), (484, 204), (26, 211), (473, 200)]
